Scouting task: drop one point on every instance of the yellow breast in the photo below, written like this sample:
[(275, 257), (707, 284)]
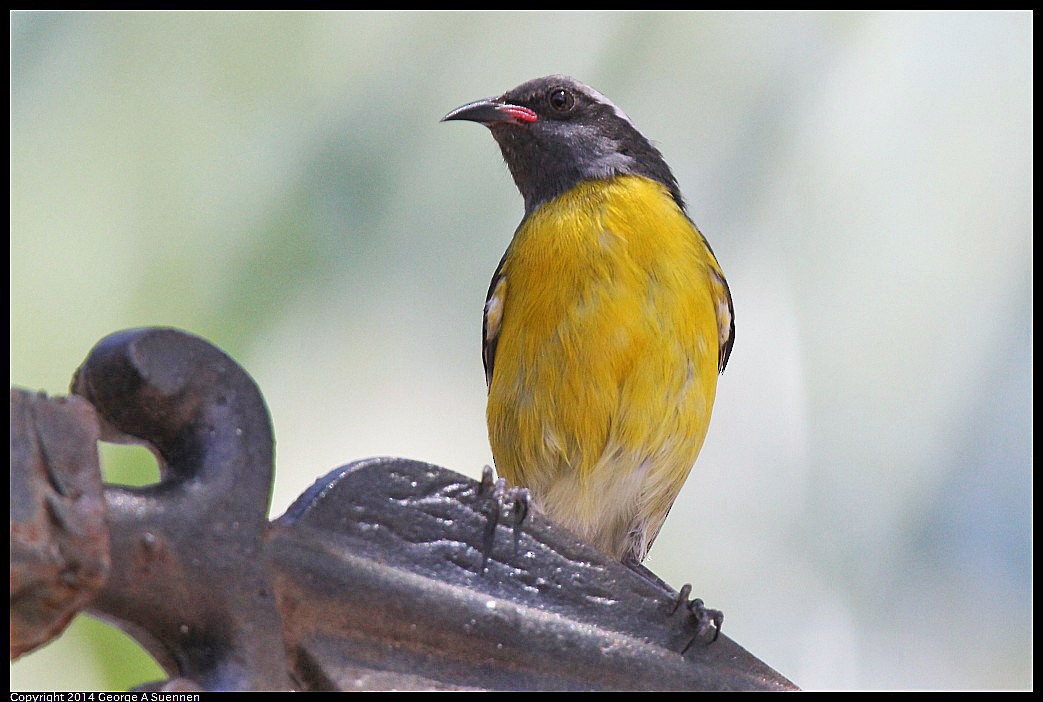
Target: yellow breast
[(606, 324)]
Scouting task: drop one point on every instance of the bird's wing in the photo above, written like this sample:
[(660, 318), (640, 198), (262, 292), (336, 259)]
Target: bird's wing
[(725, 317), (491, 318), (722, 297)]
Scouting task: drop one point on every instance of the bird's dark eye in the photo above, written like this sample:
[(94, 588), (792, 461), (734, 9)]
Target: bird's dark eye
[(561, 99)]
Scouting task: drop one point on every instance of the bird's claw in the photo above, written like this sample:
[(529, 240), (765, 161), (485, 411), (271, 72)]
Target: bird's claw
[(705, 619)]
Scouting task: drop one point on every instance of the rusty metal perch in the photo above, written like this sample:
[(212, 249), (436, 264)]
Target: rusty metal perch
[(386, 574)]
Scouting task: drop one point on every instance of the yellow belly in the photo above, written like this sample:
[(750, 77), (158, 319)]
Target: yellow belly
[(607, 359)]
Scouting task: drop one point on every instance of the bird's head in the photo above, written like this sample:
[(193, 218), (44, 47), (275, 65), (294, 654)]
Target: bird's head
[(555, 132)]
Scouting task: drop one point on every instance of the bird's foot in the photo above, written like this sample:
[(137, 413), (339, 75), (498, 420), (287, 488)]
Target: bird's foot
[(704, 618), (499, 503)]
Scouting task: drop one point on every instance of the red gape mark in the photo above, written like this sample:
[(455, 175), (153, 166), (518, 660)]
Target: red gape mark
[(522, 114)]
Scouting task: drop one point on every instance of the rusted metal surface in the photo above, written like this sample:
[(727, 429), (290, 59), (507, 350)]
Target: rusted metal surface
[(191, 577), (386, 574), (59, 544), (439, 594)]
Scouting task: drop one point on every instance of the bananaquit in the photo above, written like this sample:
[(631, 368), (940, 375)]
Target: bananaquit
[(607, 321)]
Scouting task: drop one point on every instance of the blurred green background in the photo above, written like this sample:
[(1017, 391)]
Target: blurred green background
[(279, 183)]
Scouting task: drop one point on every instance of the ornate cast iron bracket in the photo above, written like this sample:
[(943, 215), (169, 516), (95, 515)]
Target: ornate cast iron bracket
[(386, 574)]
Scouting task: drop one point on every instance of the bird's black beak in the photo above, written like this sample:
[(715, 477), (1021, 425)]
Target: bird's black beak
[(492, 111)]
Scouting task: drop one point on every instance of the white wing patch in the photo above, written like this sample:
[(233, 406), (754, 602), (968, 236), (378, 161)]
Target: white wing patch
[(491, 326), (725, 321), (493, 313)]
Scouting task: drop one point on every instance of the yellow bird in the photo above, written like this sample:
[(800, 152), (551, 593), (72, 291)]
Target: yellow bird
[(607, 321)]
